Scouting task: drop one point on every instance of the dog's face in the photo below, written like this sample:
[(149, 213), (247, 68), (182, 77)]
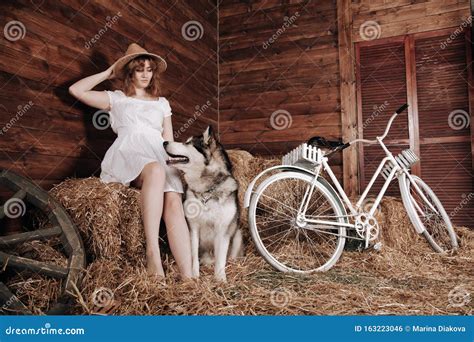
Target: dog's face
[(193, 154)]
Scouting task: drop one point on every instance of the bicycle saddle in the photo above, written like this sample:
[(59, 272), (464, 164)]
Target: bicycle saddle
[(321, 142)]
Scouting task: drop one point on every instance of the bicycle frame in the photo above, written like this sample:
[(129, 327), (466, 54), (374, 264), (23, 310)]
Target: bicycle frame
[(397, 169), (355, 210)]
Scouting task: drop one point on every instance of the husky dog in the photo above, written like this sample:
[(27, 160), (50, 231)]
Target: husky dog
[(211, 205)]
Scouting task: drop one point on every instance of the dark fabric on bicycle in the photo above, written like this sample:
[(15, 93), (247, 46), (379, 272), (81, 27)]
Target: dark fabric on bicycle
[(322, 142)]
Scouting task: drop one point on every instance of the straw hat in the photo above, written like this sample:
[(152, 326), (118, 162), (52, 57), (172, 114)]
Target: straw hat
[(135, 50)]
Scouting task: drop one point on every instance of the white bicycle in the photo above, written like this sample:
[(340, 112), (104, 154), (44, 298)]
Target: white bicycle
[(300, 224)]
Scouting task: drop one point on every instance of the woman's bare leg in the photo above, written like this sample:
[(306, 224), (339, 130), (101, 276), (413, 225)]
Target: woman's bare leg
[(178, 232), (152, 179)]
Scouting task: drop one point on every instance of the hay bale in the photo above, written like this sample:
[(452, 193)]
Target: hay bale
[(245, 168), (108, 217), (395, 227), (95, 209), (131, 229), (241, 161)]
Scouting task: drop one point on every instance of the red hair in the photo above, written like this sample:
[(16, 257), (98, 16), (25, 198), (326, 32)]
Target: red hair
[(139, 63)]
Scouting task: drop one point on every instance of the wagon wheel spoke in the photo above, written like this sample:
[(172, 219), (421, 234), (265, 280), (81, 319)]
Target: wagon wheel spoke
[(60, 225), (41, 234), (10, 302), (40, 267)]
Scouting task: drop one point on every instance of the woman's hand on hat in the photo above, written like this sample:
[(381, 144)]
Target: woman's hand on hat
[(110, 72)]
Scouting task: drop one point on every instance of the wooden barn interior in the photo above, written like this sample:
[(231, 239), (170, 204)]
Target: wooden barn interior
[(266, 74), (306, 61)]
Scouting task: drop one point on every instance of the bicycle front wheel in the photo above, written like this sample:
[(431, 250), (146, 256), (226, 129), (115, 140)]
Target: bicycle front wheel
[(284, 242), (427, 214)]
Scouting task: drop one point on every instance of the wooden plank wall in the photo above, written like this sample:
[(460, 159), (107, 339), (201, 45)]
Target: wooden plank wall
[(280, 58), (272, 61), (348, 94), (297, 75), (399, 17), (47, 135)]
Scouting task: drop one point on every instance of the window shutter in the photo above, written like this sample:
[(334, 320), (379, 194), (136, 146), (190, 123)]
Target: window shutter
[(383, 89), (443, 111)]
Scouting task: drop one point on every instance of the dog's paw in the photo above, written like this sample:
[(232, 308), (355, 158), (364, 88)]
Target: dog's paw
[(221, 278)]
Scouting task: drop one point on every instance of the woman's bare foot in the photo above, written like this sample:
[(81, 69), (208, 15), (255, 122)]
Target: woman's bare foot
[(157, 278), (154, 266)]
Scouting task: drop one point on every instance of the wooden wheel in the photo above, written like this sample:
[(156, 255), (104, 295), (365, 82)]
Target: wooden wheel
[(62, 228)]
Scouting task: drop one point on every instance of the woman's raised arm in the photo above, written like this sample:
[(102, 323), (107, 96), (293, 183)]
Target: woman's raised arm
[(81, 90)]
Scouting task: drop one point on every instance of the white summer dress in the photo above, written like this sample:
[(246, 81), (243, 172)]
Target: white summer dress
[(139, 126)]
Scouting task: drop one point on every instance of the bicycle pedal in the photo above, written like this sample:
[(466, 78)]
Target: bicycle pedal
[(109, 309), (377, 246)]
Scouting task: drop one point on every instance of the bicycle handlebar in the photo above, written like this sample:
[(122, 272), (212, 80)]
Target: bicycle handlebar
[(346, 145), (402, 108), (398, 111)]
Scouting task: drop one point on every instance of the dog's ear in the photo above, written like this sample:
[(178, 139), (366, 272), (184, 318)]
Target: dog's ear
[(209, 135)]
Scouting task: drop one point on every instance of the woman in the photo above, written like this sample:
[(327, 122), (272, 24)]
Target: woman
[(142, 121)]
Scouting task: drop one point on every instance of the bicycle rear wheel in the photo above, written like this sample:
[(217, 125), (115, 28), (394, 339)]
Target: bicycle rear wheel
[(288, 245), (435, 225)]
